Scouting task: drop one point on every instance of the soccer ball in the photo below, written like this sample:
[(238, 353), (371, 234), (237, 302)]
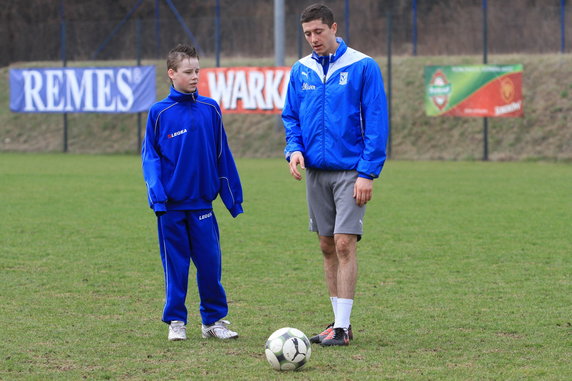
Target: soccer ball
[(288, 349)]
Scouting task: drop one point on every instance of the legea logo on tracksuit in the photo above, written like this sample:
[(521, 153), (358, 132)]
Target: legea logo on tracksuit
[(170, 136), (203, 216)]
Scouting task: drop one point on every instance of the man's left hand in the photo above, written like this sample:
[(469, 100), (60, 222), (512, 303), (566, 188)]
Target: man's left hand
[(363, 190)]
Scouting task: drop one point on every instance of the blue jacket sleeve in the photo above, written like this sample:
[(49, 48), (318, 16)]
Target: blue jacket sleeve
[(291, 119), (151, 163), (374, 116), (230, 189)]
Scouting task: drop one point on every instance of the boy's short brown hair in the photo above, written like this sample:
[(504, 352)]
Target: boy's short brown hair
[(179, 53)]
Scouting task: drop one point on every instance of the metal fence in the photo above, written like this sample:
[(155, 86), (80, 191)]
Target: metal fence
[(225, 28)]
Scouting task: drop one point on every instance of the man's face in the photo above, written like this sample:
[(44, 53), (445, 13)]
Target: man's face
[(186, 77), (321, 37)]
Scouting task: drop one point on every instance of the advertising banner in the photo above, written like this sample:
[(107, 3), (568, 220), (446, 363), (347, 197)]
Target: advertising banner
[(246, 90), (474, 90), (124, 89)]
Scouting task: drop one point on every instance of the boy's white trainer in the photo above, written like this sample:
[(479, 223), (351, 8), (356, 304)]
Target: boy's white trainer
[(219, 330), (177, 331)]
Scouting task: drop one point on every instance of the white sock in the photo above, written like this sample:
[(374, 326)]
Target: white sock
[(343, 312), (334, 300)]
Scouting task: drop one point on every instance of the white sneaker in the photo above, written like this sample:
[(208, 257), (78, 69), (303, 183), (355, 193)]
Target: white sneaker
[(219, 330), (177, 331)]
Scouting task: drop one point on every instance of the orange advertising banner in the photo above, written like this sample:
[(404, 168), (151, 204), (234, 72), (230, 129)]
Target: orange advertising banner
[(246, 90)]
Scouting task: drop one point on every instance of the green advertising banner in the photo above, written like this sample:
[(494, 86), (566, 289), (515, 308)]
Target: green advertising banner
[(474, 90)]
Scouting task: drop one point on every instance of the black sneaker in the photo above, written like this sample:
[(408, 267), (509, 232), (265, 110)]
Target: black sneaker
[(338, 336), (321, 336)]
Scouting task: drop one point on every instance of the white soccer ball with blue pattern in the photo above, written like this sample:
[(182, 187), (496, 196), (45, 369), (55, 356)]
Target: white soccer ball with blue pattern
[(288, 349)]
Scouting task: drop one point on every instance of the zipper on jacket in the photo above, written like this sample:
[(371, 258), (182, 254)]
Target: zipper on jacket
[(324, 123)]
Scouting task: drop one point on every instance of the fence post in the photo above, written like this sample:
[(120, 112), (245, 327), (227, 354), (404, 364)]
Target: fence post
[(299, 39), (485, 61), (562, 26), (63, 54), (279, 42), (157, 30), (138, 47), (279, 32), (414, 26), (217, 32), (389, 100), (347, 14)]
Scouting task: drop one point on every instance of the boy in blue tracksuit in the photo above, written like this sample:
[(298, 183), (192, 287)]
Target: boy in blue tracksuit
[(186, 164), (335, 119)]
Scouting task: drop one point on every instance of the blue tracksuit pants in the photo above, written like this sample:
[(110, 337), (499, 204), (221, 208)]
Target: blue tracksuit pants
[(185, 236)]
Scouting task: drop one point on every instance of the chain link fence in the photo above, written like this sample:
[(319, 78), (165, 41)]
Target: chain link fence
[(422, 27)]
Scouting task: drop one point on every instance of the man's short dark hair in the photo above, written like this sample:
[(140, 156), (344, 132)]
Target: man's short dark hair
[(318, 12), (179, 53)]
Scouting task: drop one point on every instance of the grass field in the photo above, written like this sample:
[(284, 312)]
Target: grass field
[(465, 274)]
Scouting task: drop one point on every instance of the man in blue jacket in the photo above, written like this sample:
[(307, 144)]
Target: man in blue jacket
[(186, 164), (335, 119)]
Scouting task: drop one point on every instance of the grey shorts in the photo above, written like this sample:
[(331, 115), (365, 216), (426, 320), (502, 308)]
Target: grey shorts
[(331, 206)]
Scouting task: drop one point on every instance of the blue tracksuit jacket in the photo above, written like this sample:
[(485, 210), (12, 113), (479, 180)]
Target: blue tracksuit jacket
[(336, 112), (186, 158)]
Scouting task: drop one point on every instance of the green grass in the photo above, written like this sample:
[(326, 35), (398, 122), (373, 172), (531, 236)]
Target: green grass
[(465, 274)]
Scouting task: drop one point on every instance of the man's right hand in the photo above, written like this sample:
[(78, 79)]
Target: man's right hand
[(296, 159)]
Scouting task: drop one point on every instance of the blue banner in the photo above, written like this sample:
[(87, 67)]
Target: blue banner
[(122, 89)]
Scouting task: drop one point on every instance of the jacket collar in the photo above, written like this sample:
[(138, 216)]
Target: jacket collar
[(332, 57), (177, 96)]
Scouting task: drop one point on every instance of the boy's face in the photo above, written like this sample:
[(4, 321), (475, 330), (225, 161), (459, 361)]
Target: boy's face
[(321, 37), (186, 77)]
